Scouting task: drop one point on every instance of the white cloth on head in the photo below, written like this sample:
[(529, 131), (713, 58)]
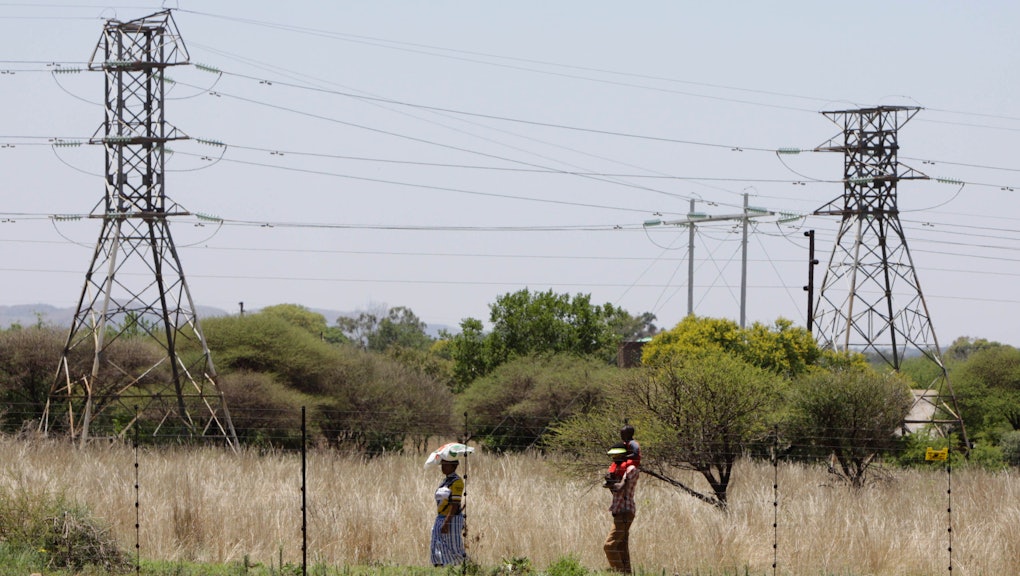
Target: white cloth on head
[(451, 452)]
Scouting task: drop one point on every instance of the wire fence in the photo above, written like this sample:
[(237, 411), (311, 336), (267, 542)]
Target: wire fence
[(303, 438)]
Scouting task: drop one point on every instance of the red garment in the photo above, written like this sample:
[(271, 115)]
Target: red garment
[(616, 469)]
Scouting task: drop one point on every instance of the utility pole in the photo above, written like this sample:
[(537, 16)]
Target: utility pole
[(743, 264), (870, 299), (135, 286), (810, 288), (695, 218), (690, 263)]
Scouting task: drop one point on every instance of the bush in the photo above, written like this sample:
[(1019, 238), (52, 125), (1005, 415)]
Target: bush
[(987, 456), (28, 359), (263, 411), (358, 400), (513, 407), (1010, 446), (851, 414), (375, 404), (914, 447), (269, 344), (65, 534), (566, 566)]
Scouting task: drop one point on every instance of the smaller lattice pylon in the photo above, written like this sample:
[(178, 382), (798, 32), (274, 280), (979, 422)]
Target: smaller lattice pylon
[(870, 299), (135, 355)]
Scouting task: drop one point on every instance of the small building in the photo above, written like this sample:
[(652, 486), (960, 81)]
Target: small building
[(628, 355)]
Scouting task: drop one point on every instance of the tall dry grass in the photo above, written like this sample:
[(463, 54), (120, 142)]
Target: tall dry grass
[(216, 506)]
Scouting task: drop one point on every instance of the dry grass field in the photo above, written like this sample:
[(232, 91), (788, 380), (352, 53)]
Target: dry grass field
[(215, 506)]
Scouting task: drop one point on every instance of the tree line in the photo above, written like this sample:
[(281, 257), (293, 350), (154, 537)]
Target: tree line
[(543, 375)]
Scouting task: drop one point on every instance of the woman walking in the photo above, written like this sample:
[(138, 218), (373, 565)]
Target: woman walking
[(447, 542)]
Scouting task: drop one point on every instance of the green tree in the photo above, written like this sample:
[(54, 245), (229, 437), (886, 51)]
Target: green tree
[(781, 347), (383, 329), (432, 362), (697, 411), (469, 352), (526, 322), (270, 344), (962, 348), (851, 415), (694, 334), (357, 399), (400, 328), (28, 361), (707, 409), (358, 328), (299, 316), (514, 406), (629, 327), (988, 389), (1010, 443), (378, 404), (923, 372)]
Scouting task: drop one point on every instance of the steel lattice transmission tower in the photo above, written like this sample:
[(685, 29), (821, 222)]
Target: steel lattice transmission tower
[(870, 299), (135, 287)]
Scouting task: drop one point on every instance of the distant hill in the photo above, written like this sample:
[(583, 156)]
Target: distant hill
[(30, 314)]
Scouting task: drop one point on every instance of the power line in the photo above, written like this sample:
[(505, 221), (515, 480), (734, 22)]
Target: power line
[(473, 57), (515, 120), (429, 142), (431, 187), (375, 42)]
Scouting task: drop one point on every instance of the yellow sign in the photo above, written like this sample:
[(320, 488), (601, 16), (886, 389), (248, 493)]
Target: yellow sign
[(933, 454)]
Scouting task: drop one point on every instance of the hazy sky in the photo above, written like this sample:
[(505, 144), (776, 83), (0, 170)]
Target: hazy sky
[(437, 154)]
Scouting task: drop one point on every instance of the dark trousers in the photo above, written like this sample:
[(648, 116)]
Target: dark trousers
[(617, 545)]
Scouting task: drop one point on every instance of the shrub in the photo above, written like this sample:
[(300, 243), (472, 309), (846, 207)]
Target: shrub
[(514, 406), (269, 344), (28, 359), (914, 447), (262, 410), (1010, 446), (375, 404), (987, 456), (566, 566), (851, 414), (66, 534)]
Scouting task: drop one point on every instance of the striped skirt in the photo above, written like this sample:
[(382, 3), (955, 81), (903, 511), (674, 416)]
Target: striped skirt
[(448, 548)]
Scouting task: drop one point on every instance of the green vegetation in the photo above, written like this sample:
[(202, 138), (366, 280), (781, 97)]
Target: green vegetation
[(13, 565), (376, 382), (708, 393), (851, 415), (526, 323), (359, 400), (696, 411), (39, 530), (514, 406), (781, 347)]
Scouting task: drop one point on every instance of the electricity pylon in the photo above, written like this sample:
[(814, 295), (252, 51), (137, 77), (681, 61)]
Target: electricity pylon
[(135, 287), (870, 299)]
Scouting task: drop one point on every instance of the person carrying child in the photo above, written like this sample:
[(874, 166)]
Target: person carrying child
[(621, 480)]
